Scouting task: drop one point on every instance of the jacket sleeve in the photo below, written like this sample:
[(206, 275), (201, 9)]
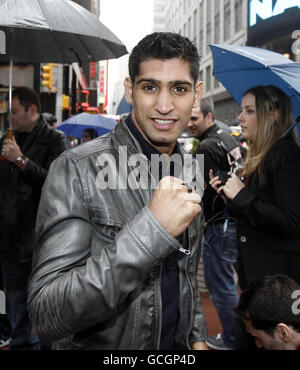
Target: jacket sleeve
[(70, 289), (199, 329), (282, 216), (35, 173)]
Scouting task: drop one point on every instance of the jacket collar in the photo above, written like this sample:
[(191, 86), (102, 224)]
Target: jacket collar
[(208, 131), (124, 137), (127, 138)]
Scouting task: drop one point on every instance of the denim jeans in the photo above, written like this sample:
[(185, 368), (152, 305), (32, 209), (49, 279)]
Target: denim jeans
[(219, 255), (15, 280)]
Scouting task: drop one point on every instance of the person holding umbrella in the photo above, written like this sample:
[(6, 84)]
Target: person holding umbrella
[(266, 200), (88, 134), (28, 157)]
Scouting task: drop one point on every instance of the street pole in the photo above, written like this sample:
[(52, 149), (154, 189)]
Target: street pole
[(58, 109)]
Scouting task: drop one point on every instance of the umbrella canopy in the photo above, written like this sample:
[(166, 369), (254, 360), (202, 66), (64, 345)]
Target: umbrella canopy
[(59, 31), (124, 107), (239, 68), (75, 125)]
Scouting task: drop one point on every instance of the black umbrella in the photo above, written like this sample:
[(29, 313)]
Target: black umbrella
[(59, 31)]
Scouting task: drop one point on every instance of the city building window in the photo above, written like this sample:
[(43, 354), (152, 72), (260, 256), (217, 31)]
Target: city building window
[(208, 36), (195, 18), (201, 33), (201, 41), (227, 20), (201, 75), (217, 28), (208, 78), (216, 83), (238, 10)]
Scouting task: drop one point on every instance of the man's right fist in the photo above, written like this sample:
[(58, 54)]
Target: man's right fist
[(174, 205)]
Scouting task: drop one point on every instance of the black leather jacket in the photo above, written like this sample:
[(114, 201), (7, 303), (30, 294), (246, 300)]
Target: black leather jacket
[(20, 190), (97, 264)]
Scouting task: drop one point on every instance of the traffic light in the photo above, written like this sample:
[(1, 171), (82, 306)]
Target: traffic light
[(47, 74)]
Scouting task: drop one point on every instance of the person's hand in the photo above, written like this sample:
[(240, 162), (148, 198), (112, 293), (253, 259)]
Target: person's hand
[(233, 186), (199, 346), (215, 183), (11, 150), (174, 205)]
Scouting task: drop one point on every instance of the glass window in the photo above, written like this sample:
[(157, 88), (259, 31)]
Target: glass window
[(238, 15), (208, 78), (227, 20), (217, 28)]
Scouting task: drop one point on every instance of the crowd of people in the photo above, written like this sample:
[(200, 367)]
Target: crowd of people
[(97, 252)]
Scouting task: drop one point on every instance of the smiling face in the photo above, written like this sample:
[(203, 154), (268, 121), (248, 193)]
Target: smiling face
[(163, 94), (248, 118), (198, 124)]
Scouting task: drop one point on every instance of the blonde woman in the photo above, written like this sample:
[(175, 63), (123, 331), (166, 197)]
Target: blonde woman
[(266, 204)]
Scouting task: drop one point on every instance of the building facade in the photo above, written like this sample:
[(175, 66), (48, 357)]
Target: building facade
[(270, 24), (159, 23)]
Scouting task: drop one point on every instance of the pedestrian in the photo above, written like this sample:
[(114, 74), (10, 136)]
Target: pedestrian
[(29, 155), (50, 119), (123, 274), (4, 321), (88, 134), (270, 310), (266, 204), (219, 248)]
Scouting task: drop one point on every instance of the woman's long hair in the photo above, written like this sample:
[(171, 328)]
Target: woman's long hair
[(267, 100)]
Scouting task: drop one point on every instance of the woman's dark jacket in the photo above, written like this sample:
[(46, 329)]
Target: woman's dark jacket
[(20, 190), (268, 217)]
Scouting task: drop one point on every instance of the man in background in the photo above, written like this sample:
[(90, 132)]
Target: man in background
[(221, 152), (28, 157), (270, 310)]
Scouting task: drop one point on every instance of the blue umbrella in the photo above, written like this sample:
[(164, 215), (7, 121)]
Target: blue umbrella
[(124, 107), (75, 125), (239, 68)]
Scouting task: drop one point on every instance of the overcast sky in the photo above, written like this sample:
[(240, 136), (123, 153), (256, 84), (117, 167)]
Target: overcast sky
[(130, 21)]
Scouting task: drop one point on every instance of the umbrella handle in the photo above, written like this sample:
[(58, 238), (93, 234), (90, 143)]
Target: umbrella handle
[(291, 127), (10, 135)]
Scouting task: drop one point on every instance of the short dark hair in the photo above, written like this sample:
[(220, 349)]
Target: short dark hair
[(267, 301), (164, 46), (206, 108), (27, 97), (50, 118)]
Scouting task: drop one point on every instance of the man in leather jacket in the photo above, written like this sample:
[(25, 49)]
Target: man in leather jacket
[(219, 251), (28, 156), (117, 248)]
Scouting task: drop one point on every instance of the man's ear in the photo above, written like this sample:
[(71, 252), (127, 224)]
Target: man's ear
[(128, 85), (199, 88), (209, 116), (32, 110), (283, 332)]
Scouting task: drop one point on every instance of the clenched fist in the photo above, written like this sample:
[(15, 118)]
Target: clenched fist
[(11, 150), (174, 205)]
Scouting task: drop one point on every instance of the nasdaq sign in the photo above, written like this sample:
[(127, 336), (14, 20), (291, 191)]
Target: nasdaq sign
[(266, 9)]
